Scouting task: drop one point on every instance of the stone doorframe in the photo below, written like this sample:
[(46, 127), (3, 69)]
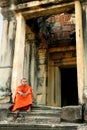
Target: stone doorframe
[(28, 14)]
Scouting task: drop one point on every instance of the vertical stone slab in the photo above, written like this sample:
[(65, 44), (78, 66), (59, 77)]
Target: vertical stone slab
[(6, 55), (79, 50), (30, 60), (18, 61), (27, 55), (84, 20), (1, 24), (33, 69), (42, 75), (50, 87)]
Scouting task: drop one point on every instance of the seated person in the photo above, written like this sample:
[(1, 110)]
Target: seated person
[(23, 98)]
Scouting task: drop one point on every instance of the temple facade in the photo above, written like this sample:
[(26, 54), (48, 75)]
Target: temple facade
[(46, 42)]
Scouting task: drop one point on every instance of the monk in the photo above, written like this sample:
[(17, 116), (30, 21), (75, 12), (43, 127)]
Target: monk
[(23, 98)]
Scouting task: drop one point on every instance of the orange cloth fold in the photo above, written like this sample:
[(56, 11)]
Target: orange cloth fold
[(22, 101)]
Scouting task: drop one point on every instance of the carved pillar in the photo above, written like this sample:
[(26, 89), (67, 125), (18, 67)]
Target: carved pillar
[(42, 75), (79, 50), (18, 61), (6, 55), (84, 5)]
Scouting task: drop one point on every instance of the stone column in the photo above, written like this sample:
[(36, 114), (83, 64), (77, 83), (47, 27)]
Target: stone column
[(6, 55), (42, 75), (79, 51), (30, 57), (33, 70), (84, 5), (18, 61)]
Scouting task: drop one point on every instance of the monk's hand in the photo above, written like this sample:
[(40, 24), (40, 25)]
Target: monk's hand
[(21, 93), (24, 94)]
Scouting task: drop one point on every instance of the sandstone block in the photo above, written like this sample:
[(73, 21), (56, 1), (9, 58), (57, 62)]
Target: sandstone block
[(71, 113)]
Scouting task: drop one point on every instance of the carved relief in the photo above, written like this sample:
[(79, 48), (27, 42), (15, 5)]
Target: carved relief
[(4, 3)]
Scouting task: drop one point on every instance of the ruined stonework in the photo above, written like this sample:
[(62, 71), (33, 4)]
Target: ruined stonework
[(46, 42)]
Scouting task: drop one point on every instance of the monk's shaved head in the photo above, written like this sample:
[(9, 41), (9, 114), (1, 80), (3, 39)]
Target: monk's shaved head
[(23, 79)]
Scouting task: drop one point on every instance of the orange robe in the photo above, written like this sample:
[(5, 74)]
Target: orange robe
[(22, 101)]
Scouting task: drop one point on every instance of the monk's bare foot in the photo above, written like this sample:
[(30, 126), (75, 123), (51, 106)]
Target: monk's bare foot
[(15, 116), (29, 110)]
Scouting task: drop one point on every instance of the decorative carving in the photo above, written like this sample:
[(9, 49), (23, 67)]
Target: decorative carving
[(4, 3)]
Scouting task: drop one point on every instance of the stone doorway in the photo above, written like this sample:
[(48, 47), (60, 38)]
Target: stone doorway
[(69, 89), (62, 86), (62, 76)]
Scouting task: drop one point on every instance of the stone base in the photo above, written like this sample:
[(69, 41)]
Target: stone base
[(4, 110), (71, 114)]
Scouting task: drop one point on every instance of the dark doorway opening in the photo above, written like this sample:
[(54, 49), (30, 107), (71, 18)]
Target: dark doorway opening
[(69, 90)]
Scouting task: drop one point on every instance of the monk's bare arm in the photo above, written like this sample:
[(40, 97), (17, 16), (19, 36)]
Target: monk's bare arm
[(19, 92), (23, 94), (26, 93)]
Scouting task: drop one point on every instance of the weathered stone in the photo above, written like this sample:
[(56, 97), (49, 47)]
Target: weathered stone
[(31, 10), (4, 3), (42, 68), (18, 61), (71, 113), (84, 14), (80, 50), (85, 112), (82, 127), (6, 56), (4, 109), (5, 95), (28, 126)]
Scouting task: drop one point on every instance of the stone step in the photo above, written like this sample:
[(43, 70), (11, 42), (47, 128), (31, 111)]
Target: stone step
[(39, 114), (35, 120), (41, 107), (46, 114), (32, 126), (41, 111), (46, 109)]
